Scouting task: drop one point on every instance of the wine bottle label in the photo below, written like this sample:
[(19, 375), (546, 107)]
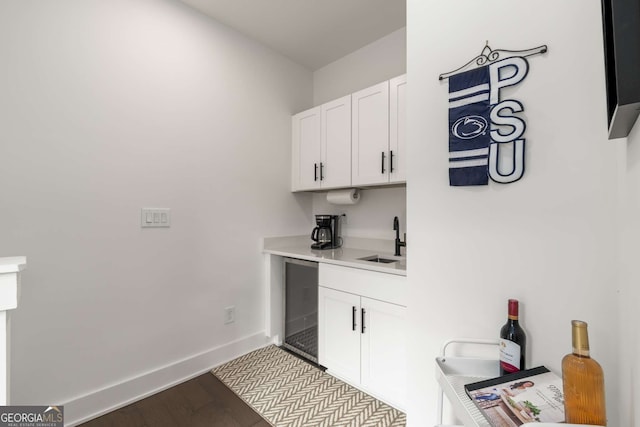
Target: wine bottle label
[(509, 356)]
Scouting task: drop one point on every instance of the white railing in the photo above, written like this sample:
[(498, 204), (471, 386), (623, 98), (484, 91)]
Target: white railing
[(10, 269)]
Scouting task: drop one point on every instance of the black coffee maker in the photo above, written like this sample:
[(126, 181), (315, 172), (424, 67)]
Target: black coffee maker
[(327, 234)]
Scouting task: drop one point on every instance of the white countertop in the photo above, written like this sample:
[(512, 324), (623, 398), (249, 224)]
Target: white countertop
[(300, 247)]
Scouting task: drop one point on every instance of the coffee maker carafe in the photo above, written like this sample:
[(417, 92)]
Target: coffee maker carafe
[(326, 234)]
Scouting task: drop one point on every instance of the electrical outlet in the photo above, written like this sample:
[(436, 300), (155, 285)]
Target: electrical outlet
[(230, 314)]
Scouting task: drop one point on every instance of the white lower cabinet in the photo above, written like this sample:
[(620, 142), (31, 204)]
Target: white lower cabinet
[(339, 333), (362, 340), (382, 350)]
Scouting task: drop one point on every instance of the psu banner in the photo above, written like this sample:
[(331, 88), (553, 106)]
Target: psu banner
[(480, 122)]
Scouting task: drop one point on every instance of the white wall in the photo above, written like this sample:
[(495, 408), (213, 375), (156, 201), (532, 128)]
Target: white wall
[(629, 293), (378, 61), (548, 240), (372, 216), (108, 107)]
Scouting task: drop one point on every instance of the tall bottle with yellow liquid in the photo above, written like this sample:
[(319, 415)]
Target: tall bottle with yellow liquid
[(583, 381)]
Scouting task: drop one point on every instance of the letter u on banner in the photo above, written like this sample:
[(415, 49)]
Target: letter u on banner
[(497, 171)]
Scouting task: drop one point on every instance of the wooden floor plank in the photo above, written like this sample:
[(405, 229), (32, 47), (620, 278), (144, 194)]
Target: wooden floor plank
[(237, 407), (203, 401), (178, 406), (155, 413), (195, 394), (129, 416), (213, 415)]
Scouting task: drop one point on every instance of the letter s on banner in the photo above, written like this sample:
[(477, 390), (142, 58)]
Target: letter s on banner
[(516, 123)]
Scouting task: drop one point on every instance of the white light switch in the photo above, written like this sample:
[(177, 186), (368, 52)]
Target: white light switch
[(155, 217)]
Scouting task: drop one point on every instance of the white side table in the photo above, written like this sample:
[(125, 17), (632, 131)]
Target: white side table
[(452, 373), (10, 269)]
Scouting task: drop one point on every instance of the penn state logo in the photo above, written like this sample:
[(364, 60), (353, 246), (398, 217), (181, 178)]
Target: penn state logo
[(469, 127)]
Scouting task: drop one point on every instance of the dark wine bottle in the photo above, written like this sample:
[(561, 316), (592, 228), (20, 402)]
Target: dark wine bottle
[(513, 342)]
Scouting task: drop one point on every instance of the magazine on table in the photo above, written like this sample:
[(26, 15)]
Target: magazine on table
[(529, 396)]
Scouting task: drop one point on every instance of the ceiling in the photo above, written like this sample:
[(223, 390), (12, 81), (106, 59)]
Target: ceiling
[(312, 33)]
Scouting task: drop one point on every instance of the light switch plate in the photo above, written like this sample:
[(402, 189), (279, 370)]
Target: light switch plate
[(155, 217)]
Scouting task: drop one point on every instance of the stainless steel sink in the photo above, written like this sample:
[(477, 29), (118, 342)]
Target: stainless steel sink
[(377, 258)]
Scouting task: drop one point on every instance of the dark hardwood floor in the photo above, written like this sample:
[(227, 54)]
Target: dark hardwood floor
[(202, 401)]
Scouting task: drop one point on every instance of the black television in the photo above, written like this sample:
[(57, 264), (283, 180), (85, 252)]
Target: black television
[(621, 21)]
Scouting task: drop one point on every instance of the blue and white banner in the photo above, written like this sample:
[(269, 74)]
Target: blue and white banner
[(469, 116), (480, 123)]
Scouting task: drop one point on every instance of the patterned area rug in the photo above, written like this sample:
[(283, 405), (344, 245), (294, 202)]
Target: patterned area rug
[(289, 392)]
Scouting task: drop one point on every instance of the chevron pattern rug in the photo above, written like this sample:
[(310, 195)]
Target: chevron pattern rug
[(289, 392)]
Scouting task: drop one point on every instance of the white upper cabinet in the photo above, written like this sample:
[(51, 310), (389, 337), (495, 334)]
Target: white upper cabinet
[(357, 140), (370, 135), (322, 146), (378, 148), (306, 150), (397, 129), (335, 157)]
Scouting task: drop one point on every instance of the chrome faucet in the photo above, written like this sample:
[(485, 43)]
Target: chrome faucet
[(399, 243)]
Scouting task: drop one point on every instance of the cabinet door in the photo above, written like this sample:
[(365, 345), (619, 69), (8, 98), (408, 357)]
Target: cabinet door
[(383, 348), (397, 128), (370, 135), (306, 150), (336, 143), (339, 333)]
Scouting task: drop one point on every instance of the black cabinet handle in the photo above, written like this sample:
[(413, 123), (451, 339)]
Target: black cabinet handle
[(321, 176), (391, 161), (362, 319), (382, 164), (353, 319), (315, 171)]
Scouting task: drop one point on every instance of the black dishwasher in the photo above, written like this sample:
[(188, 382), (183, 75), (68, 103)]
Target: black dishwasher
[(301, 308)]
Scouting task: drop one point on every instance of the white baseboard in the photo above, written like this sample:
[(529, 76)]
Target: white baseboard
[(98, 402)]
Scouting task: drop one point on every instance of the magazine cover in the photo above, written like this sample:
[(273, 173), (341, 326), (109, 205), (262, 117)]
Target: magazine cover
[(529, 396)]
